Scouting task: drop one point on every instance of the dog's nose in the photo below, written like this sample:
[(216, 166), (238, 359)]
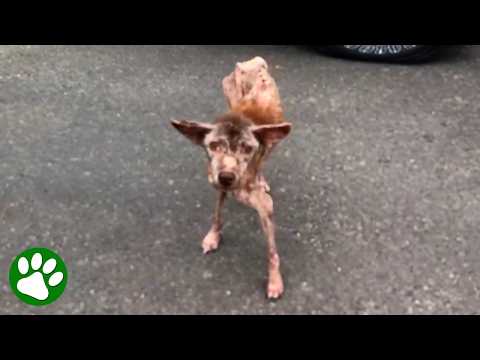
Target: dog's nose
[(226, 178)]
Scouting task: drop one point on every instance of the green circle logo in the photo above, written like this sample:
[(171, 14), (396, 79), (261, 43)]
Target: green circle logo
[(38, 276)]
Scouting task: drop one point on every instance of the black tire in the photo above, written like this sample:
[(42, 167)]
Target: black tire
[(395, 53)]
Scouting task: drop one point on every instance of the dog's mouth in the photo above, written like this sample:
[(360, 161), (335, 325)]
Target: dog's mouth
[(221, 187)]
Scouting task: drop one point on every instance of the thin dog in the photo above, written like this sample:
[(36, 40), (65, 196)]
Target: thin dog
[(237, 144)]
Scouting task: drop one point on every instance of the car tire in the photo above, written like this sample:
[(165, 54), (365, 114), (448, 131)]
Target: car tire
[(396, 53)]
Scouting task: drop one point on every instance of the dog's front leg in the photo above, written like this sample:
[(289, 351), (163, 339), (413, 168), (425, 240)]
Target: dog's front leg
[(212, 240), (264, 205), (261, 201)]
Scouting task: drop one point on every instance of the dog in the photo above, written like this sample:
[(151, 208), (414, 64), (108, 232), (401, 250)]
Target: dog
[(237, 144)]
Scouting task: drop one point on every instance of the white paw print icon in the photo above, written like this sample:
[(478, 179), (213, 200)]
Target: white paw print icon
[(35, 285)]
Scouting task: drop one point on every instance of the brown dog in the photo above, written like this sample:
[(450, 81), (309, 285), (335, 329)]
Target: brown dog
[(237, 144)]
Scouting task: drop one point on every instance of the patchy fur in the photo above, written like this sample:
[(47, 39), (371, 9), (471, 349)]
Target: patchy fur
[(237, 144)]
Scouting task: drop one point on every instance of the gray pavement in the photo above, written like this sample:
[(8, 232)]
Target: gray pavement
[(377, 191)]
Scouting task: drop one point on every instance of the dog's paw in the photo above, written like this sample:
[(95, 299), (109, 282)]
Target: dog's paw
[(275, 287), (211, 242)]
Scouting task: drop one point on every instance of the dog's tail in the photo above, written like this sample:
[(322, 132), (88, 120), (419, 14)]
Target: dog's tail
[(251, 90), (258, 113)]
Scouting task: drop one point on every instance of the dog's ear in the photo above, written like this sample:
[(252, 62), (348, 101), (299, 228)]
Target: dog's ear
[(270, 135), (195, 131)]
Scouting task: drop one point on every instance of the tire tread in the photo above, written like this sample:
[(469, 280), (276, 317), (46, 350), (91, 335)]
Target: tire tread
[(422, 53)]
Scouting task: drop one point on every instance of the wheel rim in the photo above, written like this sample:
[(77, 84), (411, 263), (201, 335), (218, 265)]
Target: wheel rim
[(381, 50)]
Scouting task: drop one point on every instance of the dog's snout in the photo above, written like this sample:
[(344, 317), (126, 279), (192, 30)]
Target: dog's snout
[(226, 178)]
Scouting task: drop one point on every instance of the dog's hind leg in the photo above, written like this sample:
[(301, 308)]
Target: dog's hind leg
[(212, 240)]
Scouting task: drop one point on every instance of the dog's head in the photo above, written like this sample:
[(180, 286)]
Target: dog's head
[(233, 145)]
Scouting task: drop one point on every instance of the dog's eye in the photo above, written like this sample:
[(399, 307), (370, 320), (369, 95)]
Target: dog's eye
[(246, 149), (216, 146)]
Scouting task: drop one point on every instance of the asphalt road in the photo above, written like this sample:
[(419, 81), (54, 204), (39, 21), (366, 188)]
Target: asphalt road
[(377, 191)]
